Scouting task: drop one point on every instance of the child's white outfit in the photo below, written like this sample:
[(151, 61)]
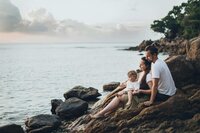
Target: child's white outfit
[(132, 85)]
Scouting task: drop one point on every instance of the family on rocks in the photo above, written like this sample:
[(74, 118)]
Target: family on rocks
[(168, 99)]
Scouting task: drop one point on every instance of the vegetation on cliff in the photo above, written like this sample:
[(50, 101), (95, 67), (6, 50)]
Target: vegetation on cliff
[(181, 21)]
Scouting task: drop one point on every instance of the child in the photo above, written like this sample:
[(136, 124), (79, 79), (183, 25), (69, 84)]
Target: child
[(131, 86)]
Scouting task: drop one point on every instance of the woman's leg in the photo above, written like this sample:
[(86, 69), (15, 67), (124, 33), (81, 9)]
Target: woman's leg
[(110, 107)]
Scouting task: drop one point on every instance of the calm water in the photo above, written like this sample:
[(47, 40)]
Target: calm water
[(31, 75)]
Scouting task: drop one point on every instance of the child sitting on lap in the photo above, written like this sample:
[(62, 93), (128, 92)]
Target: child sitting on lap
[(131, 86)]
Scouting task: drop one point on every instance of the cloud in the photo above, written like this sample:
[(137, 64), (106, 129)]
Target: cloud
[(10, 16), (42, 23)]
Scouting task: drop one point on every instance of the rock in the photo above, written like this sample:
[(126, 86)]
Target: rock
[(190, 89), (111, 86), (71, 108), (12, 128), (172, 115), (83, 93), (171, 109), (172, 47), (193, 53), (43, 123), (54, 104), (144, 44), (181, 69), (132, 48)]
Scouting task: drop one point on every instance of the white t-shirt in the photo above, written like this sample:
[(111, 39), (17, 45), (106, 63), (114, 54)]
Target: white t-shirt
[(132, 85), (160, 70), (148, 77)]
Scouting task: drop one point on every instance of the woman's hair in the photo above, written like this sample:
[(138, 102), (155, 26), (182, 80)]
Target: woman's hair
[(147, 64), (148, 68)]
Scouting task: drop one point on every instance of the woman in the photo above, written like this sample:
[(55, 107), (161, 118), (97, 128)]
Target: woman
[(145, 85)]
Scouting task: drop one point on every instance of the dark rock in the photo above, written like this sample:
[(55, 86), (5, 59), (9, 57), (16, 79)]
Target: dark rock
[(12, 128), (133, 48), (54, 104), (71, 108), (190, 89), (181, 69), (83, 93), (43, 123), (140, 54), (111, 86)]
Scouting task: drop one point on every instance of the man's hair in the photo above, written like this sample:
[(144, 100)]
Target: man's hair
[(152, 49), (132, 72)]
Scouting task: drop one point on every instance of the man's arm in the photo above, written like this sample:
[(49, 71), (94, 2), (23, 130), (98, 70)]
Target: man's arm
[(154, 90)]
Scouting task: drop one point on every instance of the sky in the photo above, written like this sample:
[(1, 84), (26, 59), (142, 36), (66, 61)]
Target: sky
[(41, 21)]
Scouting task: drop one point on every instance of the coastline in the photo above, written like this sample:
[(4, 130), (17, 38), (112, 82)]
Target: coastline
[(178, 114)]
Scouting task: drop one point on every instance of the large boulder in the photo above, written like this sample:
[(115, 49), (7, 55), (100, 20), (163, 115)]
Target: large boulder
[(83, 93), (193, 53), (71, 108), (12, 128), (54, 104), (181, 69), (111, 86), (43, 123)]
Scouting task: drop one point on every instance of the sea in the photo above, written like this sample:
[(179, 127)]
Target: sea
[(31, 75)]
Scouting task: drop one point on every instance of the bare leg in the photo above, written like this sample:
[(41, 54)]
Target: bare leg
[(129, 97), (110, 107)]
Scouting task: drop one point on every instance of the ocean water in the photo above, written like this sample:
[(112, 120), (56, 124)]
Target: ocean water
[(31, 75)]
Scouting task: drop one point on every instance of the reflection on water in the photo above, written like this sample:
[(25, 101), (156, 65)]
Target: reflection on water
[(32, 75)]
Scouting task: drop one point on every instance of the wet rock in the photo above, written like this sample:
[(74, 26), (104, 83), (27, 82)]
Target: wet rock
[(181, 69), (111, 86), (71, 108), (83, 93), (43, 123), (54, 104), (12, 128)]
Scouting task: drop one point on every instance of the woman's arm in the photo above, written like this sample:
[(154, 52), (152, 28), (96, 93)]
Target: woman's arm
[(146, 91)]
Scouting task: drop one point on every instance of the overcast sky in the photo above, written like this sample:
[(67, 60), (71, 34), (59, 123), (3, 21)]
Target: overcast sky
[(80, 20)]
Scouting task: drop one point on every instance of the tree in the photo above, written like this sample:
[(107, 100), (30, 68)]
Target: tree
[(181, 21)]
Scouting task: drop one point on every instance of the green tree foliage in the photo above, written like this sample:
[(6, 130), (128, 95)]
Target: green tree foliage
[(181, 21)]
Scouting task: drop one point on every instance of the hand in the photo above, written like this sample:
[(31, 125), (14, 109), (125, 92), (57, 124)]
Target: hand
[(148, 103), (123, 84), (136, 91)]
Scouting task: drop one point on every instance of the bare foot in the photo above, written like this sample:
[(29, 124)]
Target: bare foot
[(96, 116)]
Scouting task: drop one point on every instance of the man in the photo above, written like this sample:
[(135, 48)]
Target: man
[(162, 82)]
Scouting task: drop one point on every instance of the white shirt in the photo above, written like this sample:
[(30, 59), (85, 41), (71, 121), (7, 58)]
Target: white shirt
[(132, 85), (161, 71), (148, 77)]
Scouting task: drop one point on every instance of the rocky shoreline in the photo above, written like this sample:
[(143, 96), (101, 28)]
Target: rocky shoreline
[(180, 113)]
